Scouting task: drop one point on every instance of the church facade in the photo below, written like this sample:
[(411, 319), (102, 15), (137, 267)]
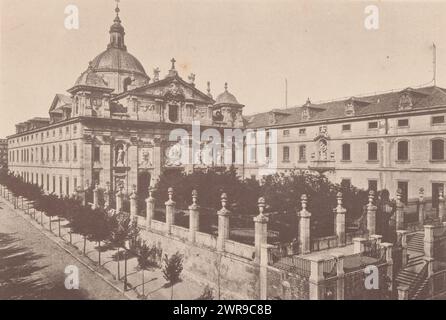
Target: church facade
[(113, 129)]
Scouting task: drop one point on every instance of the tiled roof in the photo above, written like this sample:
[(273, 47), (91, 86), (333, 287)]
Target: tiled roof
[(368, 105)]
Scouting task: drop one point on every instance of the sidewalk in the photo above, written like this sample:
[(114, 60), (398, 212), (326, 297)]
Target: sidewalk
[(153, 286)]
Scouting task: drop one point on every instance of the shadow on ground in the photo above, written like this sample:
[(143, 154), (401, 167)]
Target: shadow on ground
[(21, 275)]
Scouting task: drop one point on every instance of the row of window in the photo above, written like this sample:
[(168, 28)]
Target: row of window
[(373, 125), (44, 154), (437, 151), (35, 136), (51, 183)]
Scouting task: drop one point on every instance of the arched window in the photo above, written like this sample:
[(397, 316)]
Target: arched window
[(437, 149), (403, 151), (372, 151), (346, 152)]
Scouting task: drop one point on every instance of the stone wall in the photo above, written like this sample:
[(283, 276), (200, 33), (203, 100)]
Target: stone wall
[(235, 269), (287, 286)]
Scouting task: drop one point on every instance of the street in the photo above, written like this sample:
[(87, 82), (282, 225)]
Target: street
[(32, 266)]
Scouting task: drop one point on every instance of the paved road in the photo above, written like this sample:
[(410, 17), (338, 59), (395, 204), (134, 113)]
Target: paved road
[(32, 266)]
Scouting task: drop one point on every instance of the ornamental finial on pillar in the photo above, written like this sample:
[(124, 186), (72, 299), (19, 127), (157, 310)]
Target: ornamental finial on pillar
[(371, 197), (194, 197)]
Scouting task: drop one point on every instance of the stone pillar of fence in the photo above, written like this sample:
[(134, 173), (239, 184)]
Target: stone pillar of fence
[(400, 225), (316, 278), (261, 229), (403, 292), (388, 251), (377, 238), (223, 223), (340, 275), (429, 241), (119, 199), (304, 226), (96, 197), (340, 221), (150, 209), (441, 206), (194, 216), (371, 214), (170, 211), (421, 208), (264, 270), (359, 245), (402, 241), (134, 203), (107, 195)]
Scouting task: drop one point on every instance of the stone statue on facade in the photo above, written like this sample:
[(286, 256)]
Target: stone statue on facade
[(120, 159)]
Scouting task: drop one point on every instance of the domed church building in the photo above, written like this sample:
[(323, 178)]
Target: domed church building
[(113, 128)]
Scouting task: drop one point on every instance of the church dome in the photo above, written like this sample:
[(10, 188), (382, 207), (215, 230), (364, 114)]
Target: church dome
[(115, 59), (117, 69), (226, 97)]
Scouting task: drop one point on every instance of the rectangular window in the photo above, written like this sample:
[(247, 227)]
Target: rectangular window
[(404, 186), (96, 154), (373, 151), (47, 182), (54, 153), (373, 125), (67, 186), (74, 152), (268, 152), (346, 127), (438, 149), (286, 133), (438, 120), (54, 184), (302, 131), (403, 151), (60, 186), (75, 184), (373, 185), (402, 123), (67, 152), (346, 152), (286, 154), (60, 153), (302, 153)]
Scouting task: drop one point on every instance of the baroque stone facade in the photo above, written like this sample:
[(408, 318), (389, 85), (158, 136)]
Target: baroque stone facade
[(114, 126)]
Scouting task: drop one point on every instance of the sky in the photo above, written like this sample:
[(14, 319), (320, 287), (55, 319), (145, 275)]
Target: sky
[(322, 48)]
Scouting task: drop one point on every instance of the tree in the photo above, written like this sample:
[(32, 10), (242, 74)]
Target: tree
[(207, 294), (99, 228), (173, 267)]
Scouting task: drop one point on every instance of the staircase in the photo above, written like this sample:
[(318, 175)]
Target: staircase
[(414, 274), (416, 242)]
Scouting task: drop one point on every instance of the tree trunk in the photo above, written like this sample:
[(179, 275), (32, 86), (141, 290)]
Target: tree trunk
[(51, 220), (99, 253), (119, 271), (85, 243), (71, 238), (143, 282), (171, 292), (59, 226)]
